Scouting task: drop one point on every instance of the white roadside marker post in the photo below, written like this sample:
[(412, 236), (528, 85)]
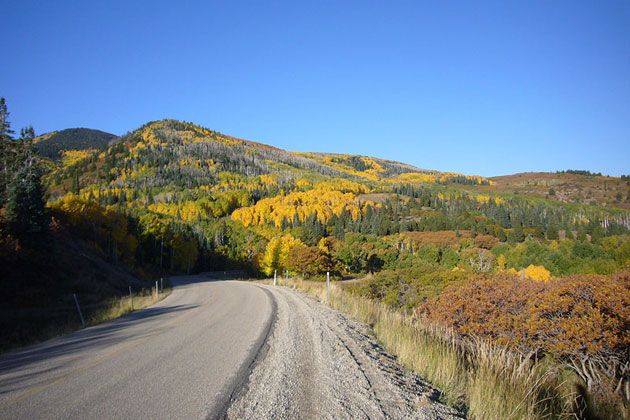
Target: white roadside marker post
[(162, 284), (130, 298), (79, 308), (274, 277), (287, 278), (156, 290), (328, 284)]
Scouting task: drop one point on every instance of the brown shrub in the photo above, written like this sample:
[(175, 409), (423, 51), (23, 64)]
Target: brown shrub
[(440, 238), (583, 320), (570, 316), (486, 241)]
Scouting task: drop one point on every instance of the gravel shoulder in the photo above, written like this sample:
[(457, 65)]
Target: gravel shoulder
[(319, 363)]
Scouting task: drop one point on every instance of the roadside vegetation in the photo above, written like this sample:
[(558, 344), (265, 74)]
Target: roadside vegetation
[(119, 306), (479, 375)]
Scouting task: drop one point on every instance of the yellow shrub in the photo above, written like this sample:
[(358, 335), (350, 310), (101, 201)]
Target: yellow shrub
[(536, 272)]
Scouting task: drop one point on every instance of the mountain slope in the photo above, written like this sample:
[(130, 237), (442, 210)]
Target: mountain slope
[(580, 187), (170, 152), (165, 163), (51, 145)]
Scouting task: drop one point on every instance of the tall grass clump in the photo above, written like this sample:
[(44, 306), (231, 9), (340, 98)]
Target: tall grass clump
[(116, 307)]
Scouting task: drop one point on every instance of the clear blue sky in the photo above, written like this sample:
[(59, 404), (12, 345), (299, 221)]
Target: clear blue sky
[(484, 88)]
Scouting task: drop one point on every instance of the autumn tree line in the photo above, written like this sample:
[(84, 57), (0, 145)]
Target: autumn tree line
[(231, 198)]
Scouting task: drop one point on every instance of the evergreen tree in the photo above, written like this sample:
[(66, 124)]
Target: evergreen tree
[(150, 199), (402, 227), (552, 233), (25, 210), (5, 125), (501, 235), (75, 184), (6, 153), (539, 232), (339, 231), (27, 134), (517, 235)]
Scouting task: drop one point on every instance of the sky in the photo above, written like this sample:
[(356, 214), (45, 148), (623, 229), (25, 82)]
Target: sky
[(488, 88)]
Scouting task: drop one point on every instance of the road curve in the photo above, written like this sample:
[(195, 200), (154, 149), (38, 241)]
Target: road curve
[(181, 358)]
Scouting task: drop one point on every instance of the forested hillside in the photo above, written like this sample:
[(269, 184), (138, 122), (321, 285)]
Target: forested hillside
[(229, 197), (172, 196), (53, 145), (570, 186)]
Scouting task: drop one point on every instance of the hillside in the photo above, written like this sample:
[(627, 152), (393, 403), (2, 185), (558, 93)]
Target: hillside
[(52, 145), (38, 285), (580, 187), (232, 196), (162, 160), (179, 153)]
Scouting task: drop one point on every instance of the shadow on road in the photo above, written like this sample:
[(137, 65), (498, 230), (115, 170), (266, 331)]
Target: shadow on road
[(35, 361), (93, 337)]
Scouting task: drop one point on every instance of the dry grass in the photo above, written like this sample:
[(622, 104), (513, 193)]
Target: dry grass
[(487, 381), (117, 307)]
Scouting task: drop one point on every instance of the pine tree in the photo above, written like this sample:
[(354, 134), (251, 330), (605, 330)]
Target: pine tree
[(6, 153), (5, 125), (75, 184), (517, 235), (539, 232), (25, 211)]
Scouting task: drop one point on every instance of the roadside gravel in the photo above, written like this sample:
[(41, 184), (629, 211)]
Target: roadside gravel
[(319, 363)]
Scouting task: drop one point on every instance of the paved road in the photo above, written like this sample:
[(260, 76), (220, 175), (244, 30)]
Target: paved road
[(181, 358), (217, 349)]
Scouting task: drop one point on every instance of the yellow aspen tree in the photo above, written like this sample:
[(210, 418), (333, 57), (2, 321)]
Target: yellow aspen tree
[(288, 242), (271, 258)]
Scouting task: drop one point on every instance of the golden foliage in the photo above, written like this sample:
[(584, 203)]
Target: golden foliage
[(70, 157), (536, 272), (276, 256), (323, 204)]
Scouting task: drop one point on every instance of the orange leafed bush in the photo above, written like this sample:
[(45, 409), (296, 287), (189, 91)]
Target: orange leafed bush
[(441, 238), (485, 241), (567, 317)]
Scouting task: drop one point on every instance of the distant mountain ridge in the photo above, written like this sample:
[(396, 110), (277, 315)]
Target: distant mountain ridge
[(183, 154), (51, 145), (179, 152), (571, 186)]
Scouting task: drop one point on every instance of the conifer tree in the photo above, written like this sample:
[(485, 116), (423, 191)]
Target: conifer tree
[(552, 233), (6, 153), (5, 125), (25, 211)]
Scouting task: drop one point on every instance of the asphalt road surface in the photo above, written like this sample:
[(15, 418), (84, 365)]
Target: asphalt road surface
[(216, 349), (181, 358)]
